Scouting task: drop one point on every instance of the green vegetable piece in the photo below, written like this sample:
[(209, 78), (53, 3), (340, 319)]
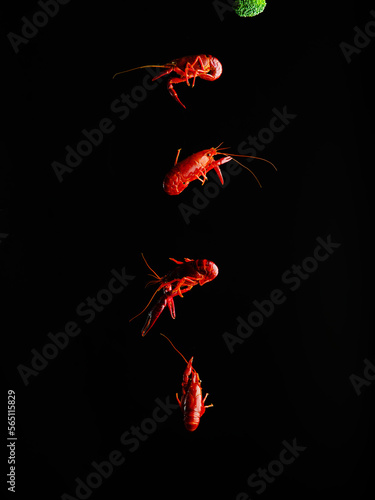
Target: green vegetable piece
[(249, 8)]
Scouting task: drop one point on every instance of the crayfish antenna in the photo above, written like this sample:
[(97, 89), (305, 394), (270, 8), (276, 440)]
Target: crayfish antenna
[(154, 274), (148, 303), (175, 348), (255, 158), (158, 279), (247, 168), (217, 148), (140, 67)]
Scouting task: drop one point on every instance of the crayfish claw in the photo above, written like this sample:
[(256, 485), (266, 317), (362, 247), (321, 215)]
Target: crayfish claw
[(146, 326), (153, 315)]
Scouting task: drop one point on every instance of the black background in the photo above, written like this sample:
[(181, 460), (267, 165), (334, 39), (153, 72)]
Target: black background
[(290, 379)]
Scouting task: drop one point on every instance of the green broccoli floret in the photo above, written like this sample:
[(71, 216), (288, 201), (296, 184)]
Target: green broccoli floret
[(249, 8)]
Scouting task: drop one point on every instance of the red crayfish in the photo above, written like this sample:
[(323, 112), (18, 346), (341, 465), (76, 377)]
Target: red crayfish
[(191, 403), (197, 166), (202, 66), (178, 281)]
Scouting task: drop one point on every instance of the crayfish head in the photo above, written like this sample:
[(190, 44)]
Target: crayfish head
[(210, 153), (215, 67), (208, 269)]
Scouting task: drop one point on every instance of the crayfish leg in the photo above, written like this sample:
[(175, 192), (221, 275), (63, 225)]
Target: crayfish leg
[(163, 73), (171, 307), (176, 261), (196, 72), (172, 90), (186, 289), (204, 400), (179, 261), (178, 154), (178, 401), (185, 285)]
